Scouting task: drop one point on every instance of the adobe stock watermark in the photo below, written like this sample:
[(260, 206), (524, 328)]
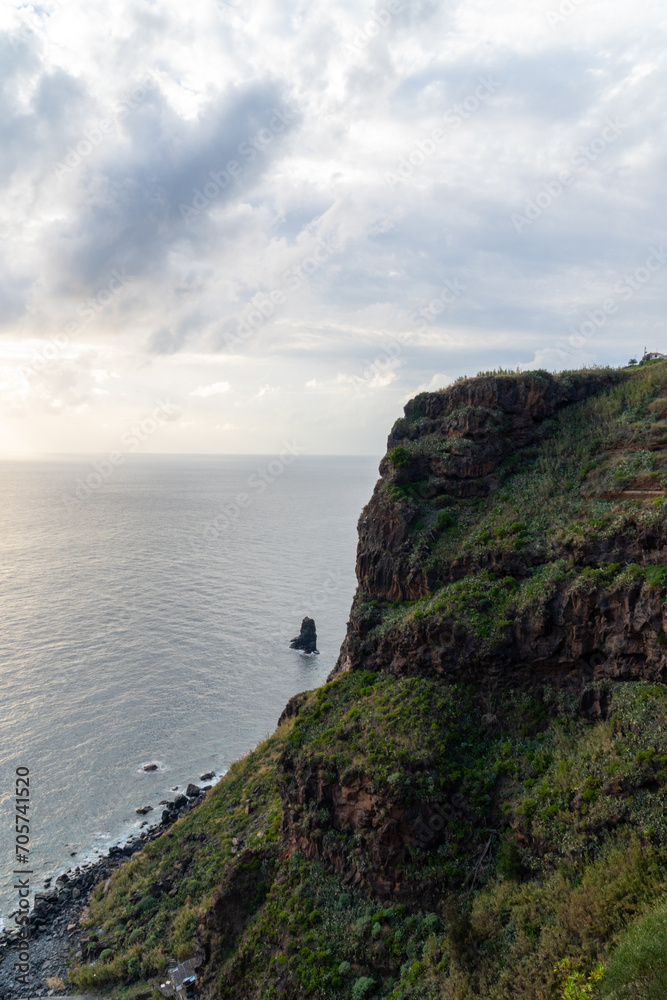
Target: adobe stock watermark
[(87, 310), (378, 370), (372, 28), (581, 159), (248, 150), (565, 9), (257, 483), (452, 118), (132, 440), (93, 137), (263, 305), (428, 313), (631, 283)]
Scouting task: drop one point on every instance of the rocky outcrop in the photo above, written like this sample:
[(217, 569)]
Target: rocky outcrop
[(306, 640), (321, 813), (465, 443), (457, 439), (574, 638)]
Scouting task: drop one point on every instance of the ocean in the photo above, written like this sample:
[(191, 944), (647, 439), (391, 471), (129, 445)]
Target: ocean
[(146, 611)]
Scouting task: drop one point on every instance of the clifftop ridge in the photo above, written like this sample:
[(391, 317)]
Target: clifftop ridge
[(516, 532)]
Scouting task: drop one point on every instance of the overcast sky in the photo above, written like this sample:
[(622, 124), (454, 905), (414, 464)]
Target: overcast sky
[(268, 222)]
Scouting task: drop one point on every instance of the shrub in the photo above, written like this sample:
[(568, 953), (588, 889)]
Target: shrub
[(134, 968), (656, 576), (577, 986), (362, 987), (445, 520), (431, 923), (509, 863), (399, 457), (146, 904)]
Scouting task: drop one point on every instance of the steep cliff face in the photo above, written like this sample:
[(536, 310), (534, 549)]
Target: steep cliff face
[(362, 803), (351, 806), (456, 441), (517, 533), (479, 792)]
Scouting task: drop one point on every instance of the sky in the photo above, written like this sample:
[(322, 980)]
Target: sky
[(230, 227)]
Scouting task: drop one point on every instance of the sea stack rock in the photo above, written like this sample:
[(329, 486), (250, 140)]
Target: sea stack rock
[(306, 640)]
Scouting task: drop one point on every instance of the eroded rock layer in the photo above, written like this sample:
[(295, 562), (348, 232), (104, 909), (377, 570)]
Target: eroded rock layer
[(489, 484)]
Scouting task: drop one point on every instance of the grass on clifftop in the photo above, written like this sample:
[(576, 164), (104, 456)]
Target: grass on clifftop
[(558, 505)]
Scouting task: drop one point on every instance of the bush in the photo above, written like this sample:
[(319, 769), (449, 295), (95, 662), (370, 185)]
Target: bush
[(399, 457), (134, 968), (146, 904), (638, 968), (445, 520), (656, 576), (577, 986), (431, 923), (362, 987), (509, 863)]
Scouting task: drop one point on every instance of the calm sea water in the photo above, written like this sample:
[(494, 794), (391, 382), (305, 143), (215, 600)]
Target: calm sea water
[(151, 621)]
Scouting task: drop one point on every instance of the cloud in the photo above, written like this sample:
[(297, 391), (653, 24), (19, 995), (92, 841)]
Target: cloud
[(207, 151), (216, 389), (379, 374), (439, 381)]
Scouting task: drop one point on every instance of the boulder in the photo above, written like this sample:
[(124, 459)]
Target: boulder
[(192, 791), (306, 640), (207, 776)]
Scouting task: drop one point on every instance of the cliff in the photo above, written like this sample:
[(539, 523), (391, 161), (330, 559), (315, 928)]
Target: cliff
[(513, 530), (473, 806)]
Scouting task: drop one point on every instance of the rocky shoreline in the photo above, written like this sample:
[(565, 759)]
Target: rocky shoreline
[(56, 936)]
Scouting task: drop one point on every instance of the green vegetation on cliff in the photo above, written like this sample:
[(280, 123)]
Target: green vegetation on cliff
[(151, 907), (485, 828), (556, 506), (553, 840)]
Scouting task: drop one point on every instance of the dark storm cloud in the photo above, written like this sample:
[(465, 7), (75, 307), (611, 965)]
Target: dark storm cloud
[(33, 128), (162, 182)]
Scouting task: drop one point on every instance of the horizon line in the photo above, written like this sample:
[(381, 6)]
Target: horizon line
[(43, 456)]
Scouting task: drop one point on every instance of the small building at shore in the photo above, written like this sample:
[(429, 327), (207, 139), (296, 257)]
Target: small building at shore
[(180, 981)]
